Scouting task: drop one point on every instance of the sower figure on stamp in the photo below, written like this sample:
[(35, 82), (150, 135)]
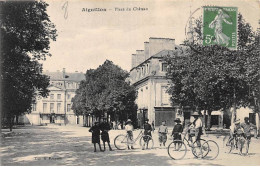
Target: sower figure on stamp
[(95, 130), (163, 130), (105, 127), (147, 132), (129, 129)]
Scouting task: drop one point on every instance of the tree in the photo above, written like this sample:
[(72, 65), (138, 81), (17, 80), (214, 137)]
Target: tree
[(26, 31), (214, 77), (105, 90)]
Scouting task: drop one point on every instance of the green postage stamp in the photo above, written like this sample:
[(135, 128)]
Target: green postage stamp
[(220, 26)]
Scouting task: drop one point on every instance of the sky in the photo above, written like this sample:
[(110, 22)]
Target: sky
[(86, 39)]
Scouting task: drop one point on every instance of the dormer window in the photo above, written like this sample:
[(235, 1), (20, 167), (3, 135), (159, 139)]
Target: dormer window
[(164, 67)]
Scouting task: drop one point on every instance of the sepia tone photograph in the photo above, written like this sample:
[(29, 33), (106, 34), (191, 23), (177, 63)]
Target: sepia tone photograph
[(130, 83)]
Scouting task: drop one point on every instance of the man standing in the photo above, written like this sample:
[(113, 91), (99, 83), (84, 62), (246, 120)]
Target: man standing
[(198, 127), (246, 126)]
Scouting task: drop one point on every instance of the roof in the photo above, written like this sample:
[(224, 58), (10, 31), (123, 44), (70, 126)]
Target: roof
[(71, 76)]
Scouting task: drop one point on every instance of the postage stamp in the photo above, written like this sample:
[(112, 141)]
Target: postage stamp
[(220, 26)]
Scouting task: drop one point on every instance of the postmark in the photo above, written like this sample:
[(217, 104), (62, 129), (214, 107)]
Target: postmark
[(220, 26)]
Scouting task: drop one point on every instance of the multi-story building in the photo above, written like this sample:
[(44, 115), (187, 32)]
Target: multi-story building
[(148, 75), (56, 108)]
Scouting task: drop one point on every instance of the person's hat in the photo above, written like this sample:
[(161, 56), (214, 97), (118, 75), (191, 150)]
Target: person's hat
[(237, 121), (146, 120), (195, 114), (128, 121), (177, 120)]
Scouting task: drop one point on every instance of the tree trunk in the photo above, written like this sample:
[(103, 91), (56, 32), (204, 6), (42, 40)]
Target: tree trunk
[(11, 123), (209, 120), (204, 119)]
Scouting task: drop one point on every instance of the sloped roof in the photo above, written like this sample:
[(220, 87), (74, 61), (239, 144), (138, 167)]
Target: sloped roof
[(71, 76)]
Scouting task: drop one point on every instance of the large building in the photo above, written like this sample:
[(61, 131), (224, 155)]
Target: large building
[(148, 75), (56, 108)]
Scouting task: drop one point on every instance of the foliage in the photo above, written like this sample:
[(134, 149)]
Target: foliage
[(26, 31), (105, 90), (215, 77)]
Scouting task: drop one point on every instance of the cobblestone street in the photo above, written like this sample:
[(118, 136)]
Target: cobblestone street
[(71, 145)]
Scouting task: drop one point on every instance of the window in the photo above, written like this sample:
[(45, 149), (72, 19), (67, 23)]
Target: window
[(59, 96), (165, 96), (52, 96), (44, 107), (68, 96), (52, 108), (58, 107), (68, 107), (34, 107), (164, 67)]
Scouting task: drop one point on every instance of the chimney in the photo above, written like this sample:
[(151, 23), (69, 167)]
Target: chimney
[(146, 50), (63, 73), (139, 57), (133, 60), (156, 45)]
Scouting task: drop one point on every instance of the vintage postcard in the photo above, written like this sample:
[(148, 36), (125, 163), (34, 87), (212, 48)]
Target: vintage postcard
[(130, 83)]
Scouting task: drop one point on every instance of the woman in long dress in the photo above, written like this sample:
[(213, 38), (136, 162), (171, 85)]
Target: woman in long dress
[(221, 38)]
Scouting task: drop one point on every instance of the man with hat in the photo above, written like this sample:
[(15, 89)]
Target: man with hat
[(198, 127), (129, 129), (247, 127), (147, 132)]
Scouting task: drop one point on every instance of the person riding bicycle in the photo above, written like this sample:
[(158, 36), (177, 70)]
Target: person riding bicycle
[(247, 127), (147, 132), (129, 129)]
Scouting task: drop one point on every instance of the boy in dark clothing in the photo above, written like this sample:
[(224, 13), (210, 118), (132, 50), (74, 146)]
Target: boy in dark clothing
[(177, 130), (105, 127), (147, 133), (95, 135)]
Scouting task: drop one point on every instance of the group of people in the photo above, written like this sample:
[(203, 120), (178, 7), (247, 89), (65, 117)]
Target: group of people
[(102, 127), (241, 133), (194, 129)]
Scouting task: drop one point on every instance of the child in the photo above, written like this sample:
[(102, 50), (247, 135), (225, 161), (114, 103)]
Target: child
[(95, 135), (147, 133), (163, 130), (177, 130), (129, 129), (105, 127)]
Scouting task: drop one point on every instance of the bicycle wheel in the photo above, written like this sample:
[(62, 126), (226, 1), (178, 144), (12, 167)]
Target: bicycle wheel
[(146, 142), (200, 151), (177, 150), (229, 146), (213, 150), (120, 142)]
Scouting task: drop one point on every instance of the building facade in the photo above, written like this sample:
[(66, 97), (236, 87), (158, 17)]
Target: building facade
[(56, 108), (148, 75)]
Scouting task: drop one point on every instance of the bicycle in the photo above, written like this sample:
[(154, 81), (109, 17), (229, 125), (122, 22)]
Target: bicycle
[(177, 149), (121, 141)]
